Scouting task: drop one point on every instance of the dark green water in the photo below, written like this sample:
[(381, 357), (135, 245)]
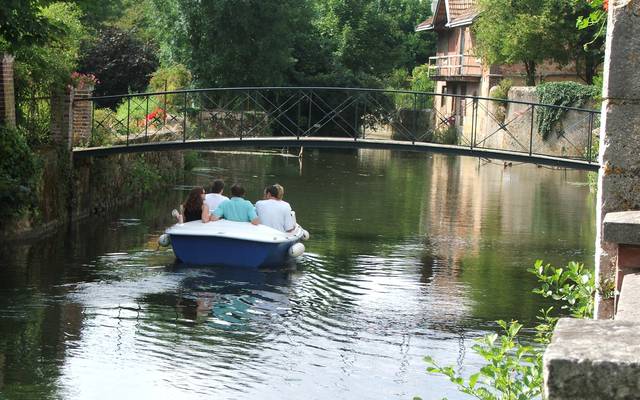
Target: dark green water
[(410, 255)]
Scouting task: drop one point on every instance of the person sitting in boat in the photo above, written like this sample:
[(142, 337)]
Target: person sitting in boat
[(236, 208), (194, 208), (275, 212), (213, 199)]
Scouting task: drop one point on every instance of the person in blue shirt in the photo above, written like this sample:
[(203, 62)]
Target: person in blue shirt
[(236, 208)]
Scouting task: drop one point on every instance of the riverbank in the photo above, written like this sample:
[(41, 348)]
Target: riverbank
[(71, 192)]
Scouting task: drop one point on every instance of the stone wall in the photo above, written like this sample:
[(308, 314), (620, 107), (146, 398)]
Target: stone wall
[(68, 193), (619, 177), (509, 128), (103, 183)]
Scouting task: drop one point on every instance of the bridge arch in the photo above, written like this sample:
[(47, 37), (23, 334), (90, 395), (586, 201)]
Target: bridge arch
[(325, 117)]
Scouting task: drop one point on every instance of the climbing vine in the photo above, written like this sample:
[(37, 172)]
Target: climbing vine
[(568, 94)]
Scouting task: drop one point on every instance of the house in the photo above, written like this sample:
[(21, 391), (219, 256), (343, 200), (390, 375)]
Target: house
[(457, 70)]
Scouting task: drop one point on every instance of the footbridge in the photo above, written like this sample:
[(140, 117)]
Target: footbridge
[(321, 117)]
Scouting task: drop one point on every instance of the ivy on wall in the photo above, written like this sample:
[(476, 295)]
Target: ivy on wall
[(568, 94)]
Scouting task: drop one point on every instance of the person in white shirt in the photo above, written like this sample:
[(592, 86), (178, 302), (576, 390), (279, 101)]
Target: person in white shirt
[(213, 199), (275, 212)]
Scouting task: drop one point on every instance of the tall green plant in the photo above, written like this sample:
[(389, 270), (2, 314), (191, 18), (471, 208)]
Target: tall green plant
[(513, 371)]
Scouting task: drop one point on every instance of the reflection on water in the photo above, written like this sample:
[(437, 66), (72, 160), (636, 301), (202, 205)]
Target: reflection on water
[(411, 254)]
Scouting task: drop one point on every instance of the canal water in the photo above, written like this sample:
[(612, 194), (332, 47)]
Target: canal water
[(410, 255)]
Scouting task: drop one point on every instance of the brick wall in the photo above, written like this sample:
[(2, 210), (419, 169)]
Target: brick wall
[(7, 94), (82, 116)]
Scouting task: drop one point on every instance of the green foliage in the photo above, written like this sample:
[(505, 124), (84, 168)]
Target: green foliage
[(227, 42), (502, 92), (142, 177), (43, 67), (19, 173), (419, 81), (173, 77), (101, 13), (607, 287), (23, 25), (447, 134), (512, 371), (375, 37), (568, 94), (502, 89), (520, 32), (573, 285), (530, 32), (231, 45), (595, 22), (166, 23), (191, 160)]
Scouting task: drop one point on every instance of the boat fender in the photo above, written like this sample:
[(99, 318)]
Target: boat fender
[(296, 250), (164, 240), (305, 235)]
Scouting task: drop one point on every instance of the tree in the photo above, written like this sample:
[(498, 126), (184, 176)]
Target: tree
[(374, 37), (100, 13), (591, 21), (240, 43), (22, 24), (119, 60), (526, 31), (44, 64)]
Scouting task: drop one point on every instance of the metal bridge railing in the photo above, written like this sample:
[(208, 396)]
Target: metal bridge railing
[(310, 112)]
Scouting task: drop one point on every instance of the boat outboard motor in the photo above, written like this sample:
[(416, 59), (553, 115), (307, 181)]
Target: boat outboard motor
[(296, 250)]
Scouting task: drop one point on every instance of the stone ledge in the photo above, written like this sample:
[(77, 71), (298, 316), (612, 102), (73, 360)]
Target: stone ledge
[(590, 359), (622, 227), (629, 302)]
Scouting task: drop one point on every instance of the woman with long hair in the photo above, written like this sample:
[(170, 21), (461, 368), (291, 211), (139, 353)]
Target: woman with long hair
[(194, 208)]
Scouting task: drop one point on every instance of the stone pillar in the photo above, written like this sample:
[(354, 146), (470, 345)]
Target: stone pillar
[(619, 177), (82, 110), (7, 92)]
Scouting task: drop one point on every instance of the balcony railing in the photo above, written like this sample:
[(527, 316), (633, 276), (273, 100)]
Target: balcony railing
[(457, 65)]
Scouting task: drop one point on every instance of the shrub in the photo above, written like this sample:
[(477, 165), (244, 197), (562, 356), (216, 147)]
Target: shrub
[(446, 135), (170, 78), (19, 173), (501, 91), (513, 370), (418, 81), (142, 177), (120, 61), (191, 160)]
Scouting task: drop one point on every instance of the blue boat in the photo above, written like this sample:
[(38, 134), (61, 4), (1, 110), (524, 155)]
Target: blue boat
[(234, 244)]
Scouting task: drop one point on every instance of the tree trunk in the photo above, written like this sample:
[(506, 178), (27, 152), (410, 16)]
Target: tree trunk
[(530, 66)]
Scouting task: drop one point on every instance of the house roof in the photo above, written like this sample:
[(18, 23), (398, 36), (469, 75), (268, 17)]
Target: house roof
[(449, 14)]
